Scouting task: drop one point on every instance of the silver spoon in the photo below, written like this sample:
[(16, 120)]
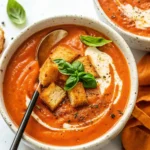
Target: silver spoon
[(42, 53)]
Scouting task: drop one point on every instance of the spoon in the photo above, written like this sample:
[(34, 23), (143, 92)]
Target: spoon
[(47, 43), (43, 50)]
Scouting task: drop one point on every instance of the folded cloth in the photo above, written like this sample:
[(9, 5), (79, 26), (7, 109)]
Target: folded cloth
[(136, 134)]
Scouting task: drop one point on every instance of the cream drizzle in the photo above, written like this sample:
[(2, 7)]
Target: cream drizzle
[(139, 16), (102, 62)]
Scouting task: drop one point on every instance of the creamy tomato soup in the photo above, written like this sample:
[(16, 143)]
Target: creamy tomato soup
[(68, 123), (131, 15)]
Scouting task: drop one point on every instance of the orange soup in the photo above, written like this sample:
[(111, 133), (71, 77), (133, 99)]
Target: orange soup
[(67, 117), (131, 15)]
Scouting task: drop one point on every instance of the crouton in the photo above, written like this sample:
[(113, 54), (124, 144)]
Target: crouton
[(77, 95), (93, 94), (2, 40), (88, 67), (52, 96), (48, 72), (64, 52)]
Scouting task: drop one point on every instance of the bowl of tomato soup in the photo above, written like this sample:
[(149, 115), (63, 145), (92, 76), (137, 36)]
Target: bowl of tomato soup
[(88, 84), (130, 18)]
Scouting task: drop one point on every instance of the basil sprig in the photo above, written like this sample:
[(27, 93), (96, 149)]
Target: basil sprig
[(16, 12), (94, 41), (76, 72)]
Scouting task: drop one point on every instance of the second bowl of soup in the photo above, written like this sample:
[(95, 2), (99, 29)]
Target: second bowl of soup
[(130, 18)]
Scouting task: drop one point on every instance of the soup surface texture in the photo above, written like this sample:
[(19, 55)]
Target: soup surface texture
[(131, 15), (67, 125)]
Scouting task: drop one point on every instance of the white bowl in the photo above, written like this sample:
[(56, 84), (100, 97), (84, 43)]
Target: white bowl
[(133, 40), (77, 20)]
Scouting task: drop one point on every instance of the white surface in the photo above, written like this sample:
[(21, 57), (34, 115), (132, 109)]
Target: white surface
[(36, 10)]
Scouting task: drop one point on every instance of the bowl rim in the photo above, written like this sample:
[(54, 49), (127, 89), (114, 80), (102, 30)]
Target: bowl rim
[(120, 29), (120, 123)]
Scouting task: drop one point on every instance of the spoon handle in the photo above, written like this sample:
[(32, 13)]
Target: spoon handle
[(24, 122)]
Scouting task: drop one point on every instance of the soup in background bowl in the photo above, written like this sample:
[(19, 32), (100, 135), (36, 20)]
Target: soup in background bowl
[(130, 18), (70, 113)]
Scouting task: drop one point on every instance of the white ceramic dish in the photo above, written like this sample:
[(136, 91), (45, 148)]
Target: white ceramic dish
[(135, 41), (99, 26)]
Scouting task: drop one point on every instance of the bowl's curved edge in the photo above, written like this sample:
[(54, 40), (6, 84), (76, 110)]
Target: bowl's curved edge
[(119, 125)]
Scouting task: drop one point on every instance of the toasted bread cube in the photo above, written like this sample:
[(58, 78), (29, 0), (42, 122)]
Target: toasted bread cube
[(2, 40), (64, 52), (77, 95), (88, 67), (93, 94), (52, 96), (48, 72)]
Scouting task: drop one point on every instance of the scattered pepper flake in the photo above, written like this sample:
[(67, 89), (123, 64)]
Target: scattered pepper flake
[(76, 115), (120, 112), (38, 107), (113, 116), (3, 23), (81, 118), (104, 77), (94, 106), (113, 17)]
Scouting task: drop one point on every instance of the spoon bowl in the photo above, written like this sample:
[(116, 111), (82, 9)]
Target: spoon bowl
[(47, 43)]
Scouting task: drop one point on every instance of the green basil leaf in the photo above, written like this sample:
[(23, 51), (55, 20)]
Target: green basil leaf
[(88, 80), (64, 67), (82, 74), (16, 12), (71, 82), (78, 66), (90, 83), (94, 41), (68, 65), (66, 71), (59, 61)]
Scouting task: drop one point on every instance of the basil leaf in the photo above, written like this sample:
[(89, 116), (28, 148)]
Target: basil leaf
[(64, 67), (66, 71), (94, 41), (16, 12), (78, 66), (68, 65), (88, 80), (59, 61), (81, 74), (71, 82), (90, 83)]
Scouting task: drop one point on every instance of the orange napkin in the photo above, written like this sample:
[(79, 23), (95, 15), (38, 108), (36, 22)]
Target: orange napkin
[(136, 134)]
